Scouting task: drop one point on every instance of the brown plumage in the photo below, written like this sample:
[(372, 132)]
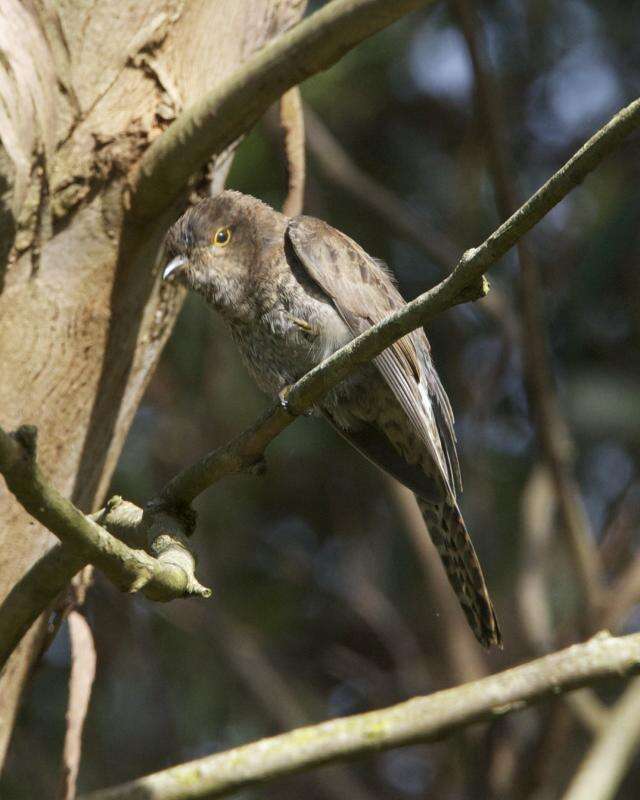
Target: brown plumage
[(292, 292)]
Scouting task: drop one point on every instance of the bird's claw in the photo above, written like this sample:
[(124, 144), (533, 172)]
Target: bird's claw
[(283, 396)]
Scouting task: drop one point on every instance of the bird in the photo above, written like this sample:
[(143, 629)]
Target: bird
[(292, 291)]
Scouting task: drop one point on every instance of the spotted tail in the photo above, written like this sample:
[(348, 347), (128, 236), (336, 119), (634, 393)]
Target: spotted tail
[(452, 541)]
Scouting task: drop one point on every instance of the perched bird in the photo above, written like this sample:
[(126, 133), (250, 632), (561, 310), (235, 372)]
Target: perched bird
[(294, 290)]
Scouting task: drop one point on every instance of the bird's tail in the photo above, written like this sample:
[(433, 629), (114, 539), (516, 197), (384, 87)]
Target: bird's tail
[(452, 541)]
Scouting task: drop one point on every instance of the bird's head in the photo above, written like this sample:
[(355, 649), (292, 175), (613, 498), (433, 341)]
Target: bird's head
[(217, 248)]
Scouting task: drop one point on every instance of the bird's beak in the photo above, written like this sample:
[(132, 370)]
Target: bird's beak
[(173, 265)]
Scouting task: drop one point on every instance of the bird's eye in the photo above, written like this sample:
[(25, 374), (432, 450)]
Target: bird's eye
[(222, 237)]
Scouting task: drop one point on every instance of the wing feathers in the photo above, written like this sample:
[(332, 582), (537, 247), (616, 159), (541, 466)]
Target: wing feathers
[(364, 293)]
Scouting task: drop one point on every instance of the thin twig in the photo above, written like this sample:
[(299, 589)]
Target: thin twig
[(607, 762), (623, 595), (537, 511), (617, 554), (589, 709), (83, 670), (292, 123), (422, 719), (538, 507), (363, 596)]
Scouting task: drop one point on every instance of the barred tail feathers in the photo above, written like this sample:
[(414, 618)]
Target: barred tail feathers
[(453, 543)]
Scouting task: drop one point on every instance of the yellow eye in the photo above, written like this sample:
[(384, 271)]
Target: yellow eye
[(222, 237)]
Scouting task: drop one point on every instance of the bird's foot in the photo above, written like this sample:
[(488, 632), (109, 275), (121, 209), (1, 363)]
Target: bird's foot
[(283, 397)]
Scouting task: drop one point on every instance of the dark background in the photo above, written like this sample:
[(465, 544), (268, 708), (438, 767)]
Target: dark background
[(321, 605)]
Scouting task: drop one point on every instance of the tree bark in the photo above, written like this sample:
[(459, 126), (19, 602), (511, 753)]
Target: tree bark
[(85, 88)]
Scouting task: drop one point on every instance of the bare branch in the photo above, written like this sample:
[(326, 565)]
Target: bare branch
[(292, 122), (270, 688), (83, 670), (606, 764), (211, 124), (422, 719), (623, 595), (537, 511), (536, 517), (589, 710)]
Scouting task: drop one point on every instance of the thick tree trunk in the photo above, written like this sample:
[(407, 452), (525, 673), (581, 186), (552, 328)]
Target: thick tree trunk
[(84, 88)]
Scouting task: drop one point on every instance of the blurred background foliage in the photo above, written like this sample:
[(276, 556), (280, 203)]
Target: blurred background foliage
[(321, 606)]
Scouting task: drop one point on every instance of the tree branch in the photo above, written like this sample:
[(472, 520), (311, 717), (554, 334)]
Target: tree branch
[(422, 719), (245, 452), (270, 688), (606, 764), (212, 123), (292, 124), (170, 574)]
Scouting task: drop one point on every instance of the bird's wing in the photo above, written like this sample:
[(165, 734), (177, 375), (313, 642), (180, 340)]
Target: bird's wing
[(364, 293), (374, 445)]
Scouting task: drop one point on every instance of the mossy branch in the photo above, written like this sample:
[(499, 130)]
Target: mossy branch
[(422, 719)]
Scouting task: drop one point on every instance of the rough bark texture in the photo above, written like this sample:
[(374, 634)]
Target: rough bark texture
[(84, 89)]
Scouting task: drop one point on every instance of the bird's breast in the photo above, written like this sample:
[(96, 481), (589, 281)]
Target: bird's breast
[(289, 340)]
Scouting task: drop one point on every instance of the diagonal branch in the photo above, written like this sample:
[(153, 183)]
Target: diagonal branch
[(422, 719), (217, 119), (83, 673), (606, 764), (246, 451)]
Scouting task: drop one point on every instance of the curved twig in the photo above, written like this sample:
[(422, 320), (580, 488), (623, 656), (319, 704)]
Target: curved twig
[(292, 123)]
